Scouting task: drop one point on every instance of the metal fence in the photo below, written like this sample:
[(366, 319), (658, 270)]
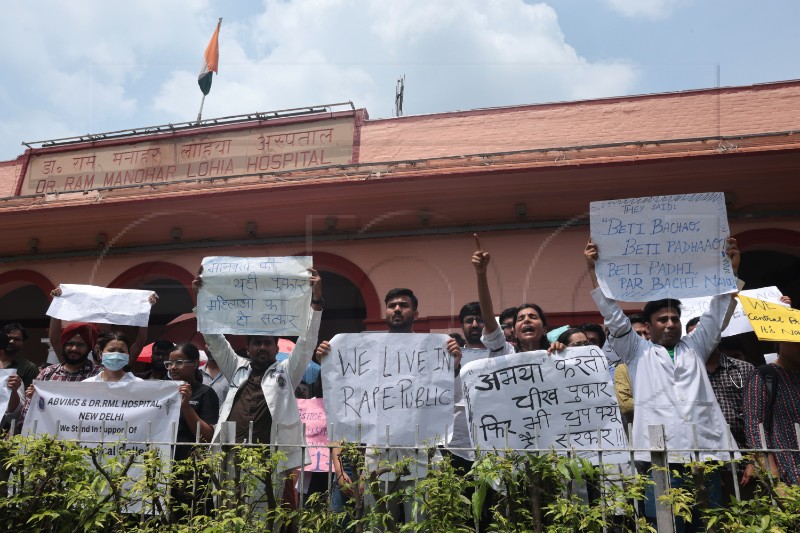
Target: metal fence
[(425, 457)]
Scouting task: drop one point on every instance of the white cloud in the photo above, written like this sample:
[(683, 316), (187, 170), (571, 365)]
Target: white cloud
[(101, 66), (652, 9)]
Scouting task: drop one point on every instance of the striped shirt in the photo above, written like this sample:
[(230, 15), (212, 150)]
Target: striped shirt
[(785, 413)]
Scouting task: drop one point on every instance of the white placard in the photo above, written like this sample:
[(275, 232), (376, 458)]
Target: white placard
[(87, 303), (121, 414), (532, 400), (5, 392), (118, 416), (694, 307), (662, 247), (397, 380), (255, 295)]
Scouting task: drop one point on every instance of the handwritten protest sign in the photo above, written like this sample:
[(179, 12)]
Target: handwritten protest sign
[(5, 392), (771, 321), (694, 307), (312, 414), (87, 303), (399, 381), (662, 247), (255, 295), (534, 400)]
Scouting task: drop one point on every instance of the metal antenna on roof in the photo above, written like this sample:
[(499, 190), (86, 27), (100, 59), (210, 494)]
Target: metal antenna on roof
[(398, 96)]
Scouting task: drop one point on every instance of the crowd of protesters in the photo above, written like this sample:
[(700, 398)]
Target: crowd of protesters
[(664, 377)]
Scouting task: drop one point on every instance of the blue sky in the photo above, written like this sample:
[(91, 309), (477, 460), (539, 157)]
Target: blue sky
[(89, 66)]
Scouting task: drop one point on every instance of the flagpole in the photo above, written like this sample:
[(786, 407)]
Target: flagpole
[(200, 113)]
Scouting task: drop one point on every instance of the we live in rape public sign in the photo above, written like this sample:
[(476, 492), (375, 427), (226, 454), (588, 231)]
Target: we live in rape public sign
[(662, 247), (772, 321), (117, 416), (533, 400), (255, 295), (388, 388), (738, 323)]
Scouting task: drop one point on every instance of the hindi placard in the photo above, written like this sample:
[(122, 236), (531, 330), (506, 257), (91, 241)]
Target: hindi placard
[(662, 247), (87, 303), (771, 321), (400, 381), (312, 414), (255, 295), (532, 400)]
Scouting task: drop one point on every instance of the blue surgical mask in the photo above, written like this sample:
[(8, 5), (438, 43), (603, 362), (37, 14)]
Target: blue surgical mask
[(115, 360)]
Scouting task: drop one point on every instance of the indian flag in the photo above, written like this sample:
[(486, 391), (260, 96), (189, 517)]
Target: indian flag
[(210, 62)]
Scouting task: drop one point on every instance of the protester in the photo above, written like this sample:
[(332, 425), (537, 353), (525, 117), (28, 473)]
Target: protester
[(595, 334), (76, 342), (213, 377), (668, 377), (114, 349), (262, 395), (573, 337), (55, 327), (12, 356), (772, 398), (507, 319), (530, 326), (727, 376), (401, 313), (16, 399), (199, 415), (158, 355)]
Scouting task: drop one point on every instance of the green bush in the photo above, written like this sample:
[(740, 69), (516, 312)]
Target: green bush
[(59, 486)]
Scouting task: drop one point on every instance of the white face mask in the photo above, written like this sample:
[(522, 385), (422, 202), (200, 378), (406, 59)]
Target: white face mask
[(115, 360)]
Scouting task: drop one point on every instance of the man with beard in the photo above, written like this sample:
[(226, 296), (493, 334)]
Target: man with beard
[(472, 324), (77, 341), (12, 357), (669, 380), (262, 388)]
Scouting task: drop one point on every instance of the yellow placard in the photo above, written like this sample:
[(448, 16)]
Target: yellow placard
[(771, 321)]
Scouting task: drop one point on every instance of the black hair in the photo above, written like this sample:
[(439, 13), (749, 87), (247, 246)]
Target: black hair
[(251, 337), (566, 334), (394, 293), (637, 318), (543, 343), (471, 308), (192, 353), (692, 322), (113, 336), (594, 328), (511, 312), (11, 326), (652, 307), (3, 341), (163, 344)]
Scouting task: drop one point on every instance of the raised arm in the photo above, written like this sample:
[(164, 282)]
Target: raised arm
[(224, 355), (619, 326), (54, 332), (298, 360), (480, 261), (141, 336)]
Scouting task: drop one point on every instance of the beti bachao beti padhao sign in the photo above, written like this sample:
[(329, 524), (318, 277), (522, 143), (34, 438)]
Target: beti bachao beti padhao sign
[(205, 154)]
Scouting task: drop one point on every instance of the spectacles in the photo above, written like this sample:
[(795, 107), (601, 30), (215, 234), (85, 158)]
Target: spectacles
[(734, 374), (578, 343), (507, 326), (178, 363), (471, 319)]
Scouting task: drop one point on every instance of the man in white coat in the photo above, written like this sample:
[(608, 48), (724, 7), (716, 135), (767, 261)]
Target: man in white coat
[(262, 389)]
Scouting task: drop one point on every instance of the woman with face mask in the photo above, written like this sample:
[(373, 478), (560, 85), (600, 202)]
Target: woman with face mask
[(115, 348)]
